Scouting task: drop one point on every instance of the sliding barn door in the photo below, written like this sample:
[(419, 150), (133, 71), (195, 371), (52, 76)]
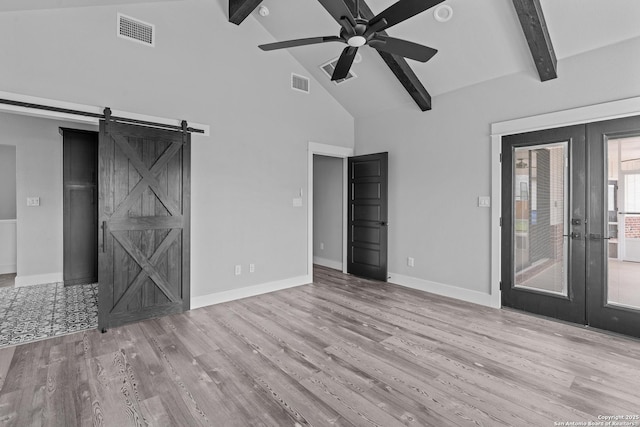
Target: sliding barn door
[(144, 223)]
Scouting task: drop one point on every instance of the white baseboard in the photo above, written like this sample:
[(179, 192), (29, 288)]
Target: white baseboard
[(8, 268), (329, 263), (38, 279), (248, 291), (445, 290)]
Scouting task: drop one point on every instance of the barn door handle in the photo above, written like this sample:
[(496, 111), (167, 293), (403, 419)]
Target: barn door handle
[(104, 234)]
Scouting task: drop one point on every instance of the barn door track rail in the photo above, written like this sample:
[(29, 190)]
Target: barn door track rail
[(102, 116)]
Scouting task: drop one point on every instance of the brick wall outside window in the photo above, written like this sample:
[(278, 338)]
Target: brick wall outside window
[(632, 227)]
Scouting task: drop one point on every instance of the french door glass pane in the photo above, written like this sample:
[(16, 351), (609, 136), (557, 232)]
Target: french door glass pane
[(623, 267), (540, 197)]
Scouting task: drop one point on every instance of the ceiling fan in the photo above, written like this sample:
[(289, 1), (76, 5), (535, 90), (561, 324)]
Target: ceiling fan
[(357, 32)]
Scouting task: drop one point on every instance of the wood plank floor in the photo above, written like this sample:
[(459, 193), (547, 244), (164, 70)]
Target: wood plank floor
[(341, 351)]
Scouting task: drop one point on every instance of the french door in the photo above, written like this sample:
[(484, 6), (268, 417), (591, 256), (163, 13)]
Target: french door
[(571, 223)]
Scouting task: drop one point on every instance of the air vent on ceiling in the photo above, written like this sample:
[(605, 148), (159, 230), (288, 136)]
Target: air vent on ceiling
[(133, 29), (330, 66), (299, 83)]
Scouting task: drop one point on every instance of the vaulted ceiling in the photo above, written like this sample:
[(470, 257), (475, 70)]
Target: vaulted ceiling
[(17, 5), (484, 40)]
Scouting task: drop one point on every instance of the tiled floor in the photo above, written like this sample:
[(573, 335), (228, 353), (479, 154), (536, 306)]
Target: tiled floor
[(31, 313)]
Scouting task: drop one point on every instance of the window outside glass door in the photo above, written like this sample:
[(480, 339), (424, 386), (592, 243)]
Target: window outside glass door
[(623, 201)]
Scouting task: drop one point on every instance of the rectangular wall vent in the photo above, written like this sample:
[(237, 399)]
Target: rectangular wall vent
[(299, 83), (133, 29), (330, 66)]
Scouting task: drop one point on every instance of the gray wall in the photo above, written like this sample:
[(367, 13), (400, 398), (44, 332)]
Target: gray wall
[(38, 146), (327, 210), (440, 162), (7, 182), (203, 69)]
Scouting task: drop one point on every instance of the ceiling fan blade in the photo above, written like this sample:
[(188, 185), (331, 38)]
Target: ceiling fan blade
[(338, 9), (402, 10), (300, 42), (344, 63), (403, 48)]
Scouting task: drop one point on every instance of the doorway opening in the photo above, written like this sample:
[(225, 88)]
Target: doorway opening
[(328, 210), (330, 153), (80, 206), (8, 216)]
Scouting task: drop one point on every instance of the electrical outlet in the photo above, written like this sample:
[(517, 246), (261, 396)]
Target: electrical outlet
[(411, 262), (33, 201), (238, 270), (252, 268)]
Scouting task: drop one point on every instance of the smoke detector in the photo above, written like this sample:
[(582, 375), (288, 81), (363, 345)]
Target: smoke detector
[(443, 13)]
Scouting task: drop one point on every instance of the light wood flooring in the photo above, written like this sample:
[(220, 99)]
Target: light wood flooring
[(341, 351)]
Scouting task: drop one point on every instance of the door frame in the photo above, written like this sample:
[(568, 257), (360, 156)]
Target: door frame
[(330, 151), (580, 115)]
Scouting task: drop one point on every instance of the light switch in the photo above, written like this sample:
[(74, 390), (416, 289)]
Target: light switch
[(33, 201), (484, 202)]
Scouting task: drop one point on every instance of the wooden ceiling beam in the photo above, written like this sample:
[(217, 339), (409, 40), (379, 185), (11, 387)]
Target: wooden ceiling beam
[(537, 35), (397, 64), (240, 9)]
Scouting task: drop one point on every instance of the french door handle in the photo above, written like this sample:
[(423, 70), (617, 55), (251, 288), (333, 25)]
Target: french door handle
[(594, 236), (574, 235)]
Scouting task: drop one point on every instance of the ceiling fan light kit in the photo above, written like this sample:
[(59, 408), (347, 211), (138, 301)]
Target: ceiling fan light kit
[(356, 32)]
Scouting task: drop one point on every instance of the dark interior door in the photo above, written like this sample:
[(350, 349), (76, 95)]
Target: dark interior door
[(367, 233), (144, 216), (543, 217), (571, 224), (80, 206), (613, 234)]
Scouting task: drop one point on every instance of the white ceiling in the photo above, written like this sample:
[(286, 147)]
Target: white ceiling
[(17, 5), (481, 42)]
